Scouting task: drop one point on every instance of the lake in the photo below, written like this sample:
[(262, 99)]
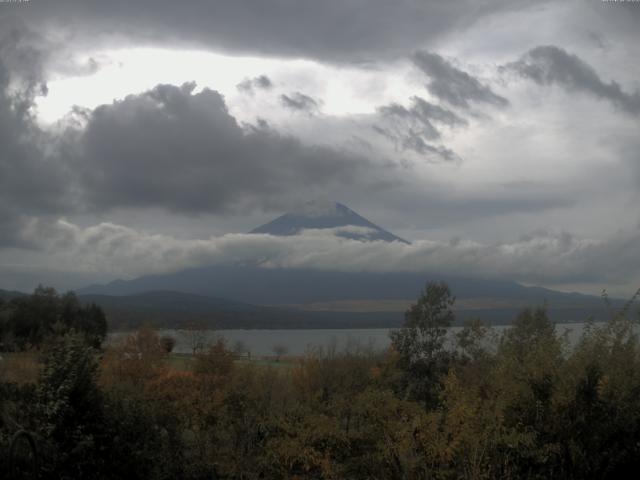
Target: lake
[(298, 342)]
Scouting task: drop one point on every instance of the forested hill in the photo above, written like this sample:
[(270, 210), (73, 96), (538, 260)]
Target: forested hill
[(282, 286), (174, 309), (169, 309), (10, 294)]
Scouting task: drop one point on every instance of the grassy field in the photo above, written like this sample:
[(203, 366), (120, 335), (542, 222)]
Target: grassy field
[(180, 362), (184, 362), (20, 367), (284, 362), (24, 367)]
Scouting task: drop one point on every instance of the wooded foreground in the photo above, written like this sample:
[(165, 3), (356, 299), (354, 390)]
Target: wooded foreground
[(519, 405)]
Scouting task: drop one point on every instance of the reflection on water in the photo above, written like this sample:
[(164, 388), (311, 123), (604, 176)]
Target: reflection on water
[(298, 342)]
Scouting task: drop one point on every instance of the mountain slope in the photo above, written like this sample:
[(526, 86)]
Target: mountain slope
[(274, 286), (7, 295), (170, 309), (288, 287), (322, 216)]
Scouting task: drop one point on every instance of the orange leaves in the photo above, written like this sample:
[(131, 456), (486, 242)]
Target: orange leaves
[(137, 360), (217, 361)]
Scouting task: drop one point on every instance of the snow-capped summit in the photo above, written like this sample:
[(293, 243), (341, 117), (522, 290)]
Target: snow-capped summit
[(327, 215)]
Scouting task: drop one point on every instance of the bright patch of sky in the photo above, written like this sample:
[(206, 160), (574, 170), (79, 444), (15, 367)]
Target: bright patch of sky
[(340, 90)]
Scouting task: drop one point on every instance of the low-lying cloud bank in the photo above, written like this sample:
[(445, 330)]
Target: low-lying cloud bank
[(541, 257)]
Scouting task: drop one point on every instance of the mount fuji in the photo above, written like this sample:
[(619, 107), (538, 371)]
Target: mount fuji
[(325, 215)]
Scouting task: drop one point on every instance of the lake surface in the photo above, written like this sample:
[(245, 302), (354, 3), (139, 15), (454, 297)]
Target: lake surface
[(298, 342)]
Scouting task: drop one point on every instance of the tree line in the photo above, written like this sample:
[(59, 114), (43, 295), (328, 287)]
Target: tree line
[(26, 322), (483, 405)]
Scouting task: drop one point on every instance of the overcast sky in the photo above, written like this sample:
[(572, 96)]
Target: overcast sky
[(501, 137)]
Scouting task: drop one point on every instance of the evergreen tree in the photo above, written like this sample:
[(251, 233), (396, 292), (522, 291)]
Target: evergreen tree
[(70, 409), (420, 342)]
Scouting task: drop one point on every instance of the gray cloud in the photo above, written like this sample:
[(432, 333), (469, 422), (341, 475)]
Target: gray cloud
[(418, 145), (551, 65), (30, 180), (249, 85), (415, 127), (434, 205), (452, 85), (333, 29), (300, 102), (32, 52), (423, 114), (173, 148), (23, 52)]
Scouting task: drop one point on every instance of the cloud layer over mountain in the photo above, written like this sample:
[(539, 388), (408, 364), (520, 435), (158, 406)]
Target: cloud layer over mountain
[(539, 256)]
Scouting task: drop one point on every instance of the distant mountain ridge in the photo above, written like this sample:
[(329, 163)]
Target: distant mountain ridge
[(7, 295), (277, 286), (177, 309), (171, 309), (316, 215), (279, 289)]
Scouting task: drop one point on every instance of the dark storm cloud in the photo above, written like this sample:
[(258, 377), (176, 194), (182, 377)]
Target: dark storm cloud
[(551, 65), (340, 30), (173, 148), (11, 226), (30, 53), (30, 181), (415, 127), (248, 85), (23, 53), (299, 102), (452, 85)]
